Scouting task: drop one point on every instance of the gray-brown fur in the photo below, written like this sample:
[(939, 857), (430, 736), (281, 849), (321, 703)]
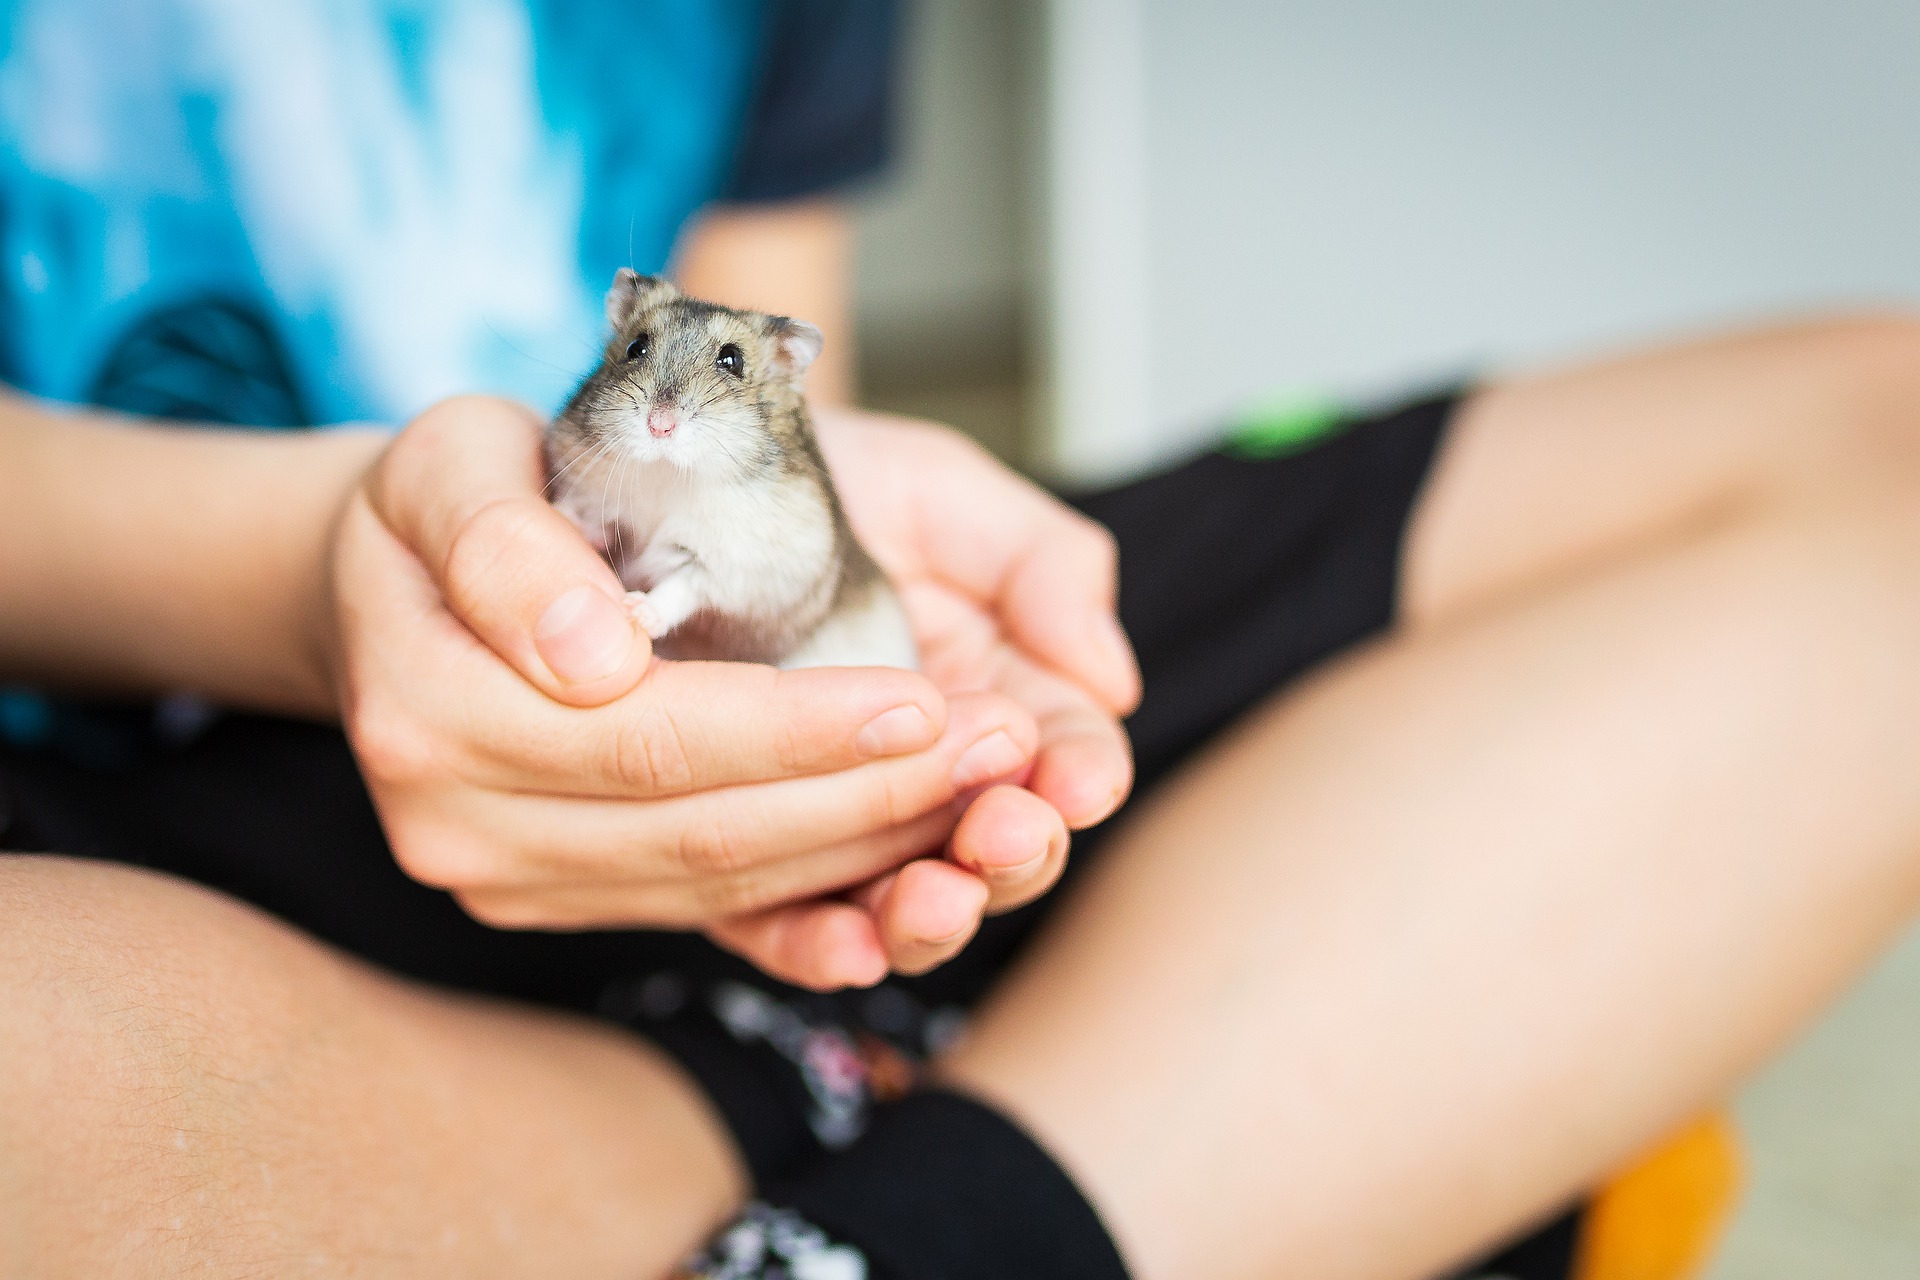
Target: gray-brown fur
[(738, 470)]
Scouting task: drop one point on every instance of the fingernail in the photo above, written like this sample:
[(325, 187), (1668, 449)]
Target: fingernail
[(994, 756), (896, 732), (584, 635), (1018, 872), (950, 938)]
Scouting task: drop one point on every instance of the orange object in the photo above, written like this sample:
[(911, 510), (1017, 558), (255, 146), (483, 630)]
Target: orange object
[(1661, 1218)]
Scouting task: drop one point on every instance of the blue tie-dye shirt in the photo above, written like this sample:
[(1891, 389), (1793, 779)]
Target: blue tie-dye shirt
[(392, 200), (286, 212)]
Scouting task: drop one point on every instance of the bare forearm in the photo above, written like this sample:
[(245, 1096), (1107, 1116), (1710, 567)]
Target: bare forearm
[(143, 558)]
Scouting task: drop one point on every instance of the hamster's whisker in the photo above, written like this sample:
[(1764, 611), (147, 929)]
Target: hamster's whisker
[(606, 489), (712, 399), (524, 354), (598, 446), (629, 464)]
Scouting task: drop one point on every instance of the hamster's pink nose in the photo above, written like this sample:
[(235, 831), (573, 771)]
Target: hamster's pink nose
[(661, 422)]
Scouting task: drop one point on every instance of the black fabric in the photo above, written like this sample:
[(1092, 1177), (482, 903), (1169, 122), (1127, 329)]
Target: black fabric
[(942, 1188), (1545, 1254), (1237, 575), (823, 108)]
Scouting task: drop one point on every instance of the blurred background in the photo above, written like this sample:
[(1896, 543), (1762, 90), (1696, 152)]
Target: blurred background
[(1277, 206), (1285, 201)]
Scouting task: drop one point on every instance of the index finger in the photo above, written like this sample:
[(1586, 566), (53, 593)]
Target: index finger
[(695, 726), (463, 488)]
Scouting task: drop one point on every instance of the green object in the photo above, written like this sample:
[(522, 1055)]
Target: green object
[(1285, 425)]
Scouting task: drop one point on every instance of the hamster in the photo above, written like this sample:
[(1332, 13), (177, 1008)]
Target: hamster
[(688, 459)]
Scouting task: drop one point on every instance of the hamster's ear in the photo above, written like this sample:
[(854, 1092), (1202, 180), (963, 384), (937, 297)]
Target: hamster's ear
[(799, 345), (633, 292)]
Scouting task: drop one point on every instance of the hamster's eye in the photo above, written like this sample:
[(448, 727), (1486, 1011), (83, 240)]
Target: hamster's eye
[(731, 361), (638, 348)]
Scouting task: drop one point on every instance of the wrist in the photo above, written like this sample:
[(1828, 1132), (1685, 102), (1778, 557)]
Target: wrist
[(316, 652)]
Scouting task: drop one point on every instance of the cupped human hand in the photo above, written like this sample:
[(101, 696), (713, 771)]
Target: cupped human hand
[(527, 754), (1008, 589), (1011, 592)]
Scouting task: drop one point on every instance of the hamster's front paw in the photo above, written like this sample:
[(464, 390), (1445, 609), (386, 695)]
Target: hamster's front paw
[(647, 615)]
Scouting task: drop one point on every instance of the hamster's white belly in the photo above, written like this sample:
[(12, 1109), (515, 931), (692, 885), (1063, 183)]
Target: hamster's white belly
[(761, 553)]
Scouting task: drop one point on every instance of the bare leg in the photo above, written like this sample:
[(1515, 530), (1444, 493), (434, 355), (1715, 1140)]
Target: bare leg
[(1548, 476), (186, 1085), (1469, 918)]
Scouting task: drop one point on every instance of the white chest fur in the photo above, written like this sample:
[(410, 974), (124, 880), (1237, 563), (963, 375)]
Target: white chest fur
[(759, 556)]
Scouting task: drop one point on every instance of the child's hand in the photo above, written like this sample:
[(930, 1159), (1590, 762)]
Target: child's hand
[(527, 755)]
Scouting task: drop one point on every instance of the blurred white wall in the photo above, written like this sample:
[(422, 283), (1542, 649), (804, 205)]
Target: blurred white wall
[(1351, 198)]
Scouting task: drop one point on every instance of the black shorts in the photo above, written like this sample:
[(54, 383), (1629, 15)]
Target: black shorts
[(1238, 573)]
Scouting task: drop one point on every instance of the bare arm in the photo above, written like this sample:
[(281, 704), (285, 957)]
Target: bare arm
[(143, 559), (305, 572)]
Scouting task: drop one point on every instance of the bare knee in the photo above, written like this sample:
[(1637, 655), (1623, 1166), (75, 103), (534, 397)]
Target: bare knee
[(186, 1084), (1887, 343), (1890, 351), (136, 953), (1863, 384), (1823, 409)]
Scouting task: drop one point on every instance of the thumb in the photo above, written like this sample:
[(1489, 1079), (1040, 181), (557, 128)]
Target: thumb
[(464, 488)]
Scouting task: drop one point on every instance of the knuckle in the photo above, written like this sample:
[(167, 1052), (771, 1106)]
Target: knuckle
[(792, 752), (736, 894), (711, 851), (1093, 541), (891, 801), (787, 729), (487, 536), (439, 859), (506, 910), (652, 758), (414, 444), (410, 458), (393, 747), (452, 419), (434, 424)]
